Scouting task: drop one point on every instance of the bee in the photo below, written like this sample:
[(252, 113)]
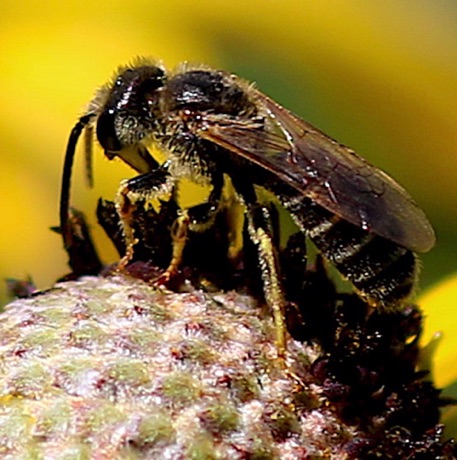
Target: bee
[(214, 128)]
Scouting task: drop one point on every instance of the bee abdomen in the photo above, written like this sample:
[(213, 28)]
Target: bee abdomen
[(383, 272)]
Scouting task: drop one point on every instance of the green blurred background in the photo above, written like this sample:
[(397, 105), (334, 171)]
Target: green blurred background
[(379, 76)]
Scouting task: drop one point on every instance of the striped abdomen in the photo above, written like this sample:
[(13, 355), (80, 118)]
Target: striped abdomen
[(383, 272)]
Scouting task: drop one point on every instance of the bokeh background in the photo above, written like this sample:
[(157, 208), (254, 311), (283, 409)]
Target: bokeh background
[(379, 76)]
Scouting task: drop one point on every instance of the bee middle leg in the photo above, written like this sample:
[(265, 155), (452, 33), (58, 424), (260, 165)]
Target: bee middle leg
[(196, 218)]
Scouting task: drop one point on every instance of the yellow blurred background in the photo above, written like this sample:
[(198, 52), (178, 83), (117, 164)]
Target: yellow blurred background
[(379, 76)]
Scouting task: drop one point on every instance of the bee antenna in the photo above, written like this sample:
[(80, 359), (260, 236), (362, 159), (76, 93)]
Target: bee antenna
[(88, 154), (66, 178)]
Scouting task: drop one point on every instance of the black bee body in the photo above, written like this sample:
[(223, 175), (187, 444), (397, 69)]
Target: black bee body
[(382, 271), (211, 124)]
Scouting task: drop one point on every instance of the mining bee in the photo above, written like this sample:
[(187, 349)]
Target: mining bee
[(217, 129)]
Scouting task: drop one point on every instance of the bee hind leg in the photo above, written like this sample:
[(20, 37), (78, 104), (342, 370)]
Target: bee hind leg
[(260, 229)]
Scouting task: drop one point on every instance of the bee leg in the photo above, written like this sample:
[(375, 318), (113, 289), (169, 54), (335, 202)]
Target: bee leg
[(260, 231), (144, 187), (179, 233), (196, 218)]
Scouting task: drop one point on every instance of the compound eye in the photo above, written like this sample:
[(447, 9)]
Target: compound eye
[(106, 132)]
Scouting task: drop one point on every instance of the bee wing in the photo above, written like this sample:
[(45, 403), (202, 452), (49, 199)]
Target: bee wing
[(320, 168)]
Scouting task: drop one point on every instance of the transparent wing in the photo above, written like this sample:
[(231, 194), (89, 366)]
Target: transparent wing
[(322, 169)]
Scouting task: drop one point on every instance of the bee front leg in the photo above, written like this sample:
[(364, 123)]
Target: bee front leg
[(144, 187)]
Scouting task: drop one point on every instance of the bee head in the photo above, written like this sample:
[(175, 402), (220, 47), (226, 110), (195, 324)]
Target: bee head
[(131, 107)]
